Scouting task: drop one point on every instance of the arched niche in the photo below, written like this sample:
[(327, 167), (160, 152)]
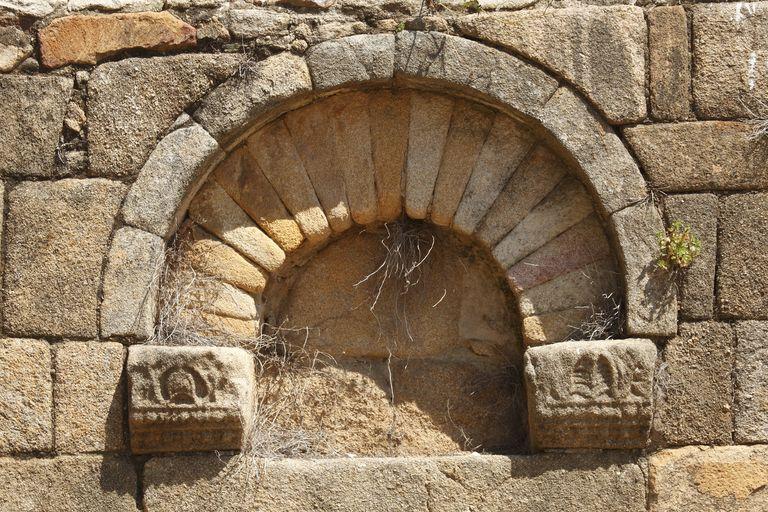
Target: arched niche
[(443, 131)]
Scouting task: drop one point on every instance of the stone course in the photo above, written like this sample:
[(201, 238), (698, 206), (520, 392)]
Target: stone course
[(88, 398), (557, 482), (750, 376), (57, 238), (26, 394), (742, 268), (694, 389), (670, 64)]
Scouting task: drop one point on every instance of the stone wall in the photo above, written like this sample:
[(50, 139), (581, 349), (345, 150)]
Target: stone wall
[(126, 119)]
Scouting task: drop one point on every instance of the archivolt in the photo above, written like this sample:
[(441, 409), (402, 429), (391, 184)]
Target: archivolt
[(520, 172)]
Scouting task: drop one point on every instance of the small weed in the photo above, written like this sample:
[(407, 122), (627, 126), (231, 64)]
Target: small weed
[(678, 247), (400, 27), (472, 6)]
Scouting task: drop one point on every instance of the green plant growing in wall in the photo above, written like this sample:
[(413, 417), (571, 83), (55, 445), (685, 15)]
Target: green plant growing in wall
[(472, 6), (678, 247)]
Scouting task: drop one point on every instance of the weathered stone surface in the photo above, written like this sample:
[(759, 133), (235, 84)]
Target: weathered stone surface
[(697, 288), (470, 124), (57, 238), (533, 180), (693, 479), (427, 135), (390, 114), (276, 155), (351, 60), (260, 24), (79, 483), (567, 205), (670, 64), (33, 111), (242, 178), (554, 327), (215, 211), (128, 112), (650, 294), (35, 8), (116, 5), (506, 146), (131, 280), (159, 197), (228, 110), (315, 141), (590, 394), (700, 156), (221, 299), (210, 256), (601, 50), (730, 77), (603, 162), (581, 245), (751, 392), (693, 405), (463, 64), (14, 47), (553, 482), (90, 39), (742, 274), (89, 397), (580, 288), (26, 423), (189, 398), (352, 133)]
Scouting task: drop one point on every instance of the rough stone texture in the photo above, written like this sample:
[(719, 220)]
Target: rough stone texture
[(650, 294), (276, 155), (602, 160), (260, 24), (697, 287), (580, 288), (534, 179), (89, 395), (33, 111), (590, 394), (228, 110), (315, 141), (57, 237), (14, 48), (742, 273), (670, 64), (505, 148), (695, 393), (553, 327), (351, 60), (390, 113), (243, 180), (211, 257), (601, 50), (700, 156), (90, 39), (131, 280), (117, 5), (567, 205), (730, 77), (549, 483), (221, 299), (79, 483), (352, 131), (35, 8), (470, 124), (189, 398), (693, 479), (215, 211), (161, 194), (463, 64), (581, 245), (128, 110), (427, 135), (26, 423), (751, 375)]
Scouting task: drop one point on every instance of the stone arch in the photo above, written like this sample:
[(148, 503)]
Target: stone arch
[(241, 107)]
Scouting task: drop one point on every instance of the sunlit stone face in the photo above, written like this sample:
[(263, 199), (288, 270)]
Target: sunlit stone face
[(417, 338)]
